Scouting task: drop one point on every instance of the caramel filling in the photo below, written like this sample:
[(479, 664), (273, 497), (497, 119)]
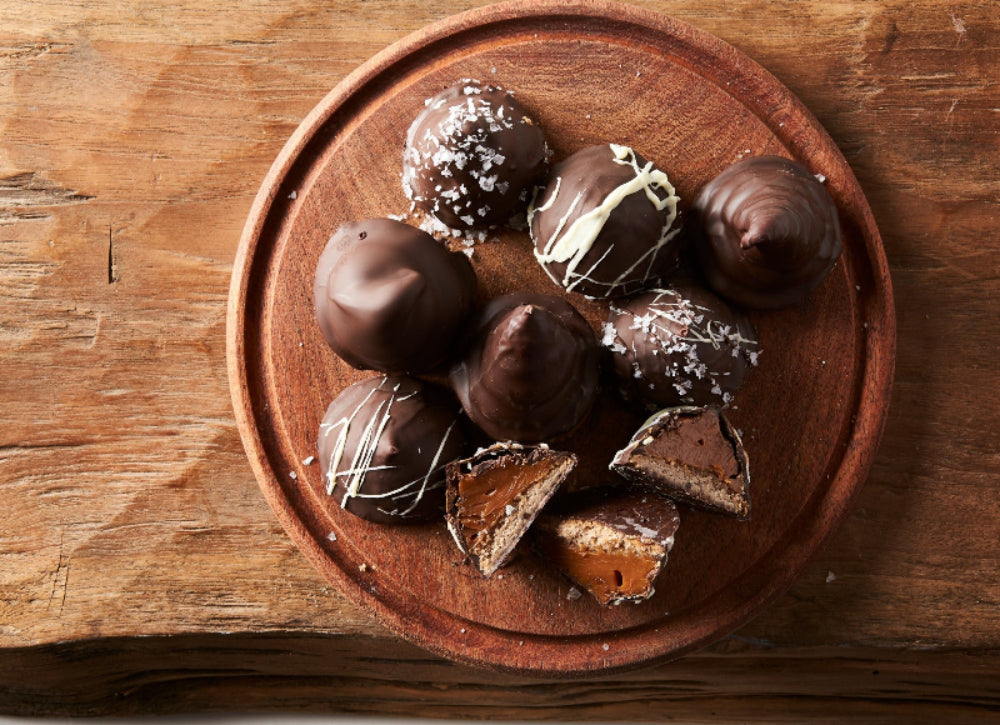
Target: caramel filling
[(609, 575), (486, 493)]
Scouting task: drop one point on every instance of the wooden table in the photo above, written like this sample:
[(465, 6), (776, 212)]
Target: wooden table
[(142, 570)]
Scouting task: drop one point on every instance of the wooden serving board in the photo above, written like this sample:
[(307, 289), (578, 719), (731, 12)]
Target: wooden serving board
[(811, 413)]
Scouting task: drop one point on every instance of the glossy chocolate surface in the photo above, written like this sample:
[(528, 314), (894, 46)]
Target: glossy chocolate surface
[(531, 371), (769, 232), (390, 297), (679, 345), (473, 156), (605, 225), (383, 446)]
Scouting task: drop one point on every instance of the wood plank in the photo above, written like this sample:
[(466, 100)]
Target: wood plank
[(303, 674), (132, 140)]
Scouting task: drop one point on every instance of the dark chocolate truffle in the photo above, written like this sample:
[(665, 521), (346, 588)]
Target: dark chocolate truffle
[(604, 225), (531, 371), (769, 232), (692, 454), (473, 156), (493, 498), (383, 447), (679, 345), (613, 546), (390, 297)]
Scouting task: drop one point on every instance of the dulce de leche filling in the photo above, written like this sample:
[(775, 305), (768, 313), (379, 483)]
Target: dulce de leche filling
[(485, 494), (608, 575)]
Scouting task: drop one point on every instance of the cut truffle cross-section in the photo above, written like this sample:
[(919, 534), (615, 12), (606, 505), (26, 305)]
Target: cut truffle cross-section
[(690, 454), (614, 547), (493, 497)]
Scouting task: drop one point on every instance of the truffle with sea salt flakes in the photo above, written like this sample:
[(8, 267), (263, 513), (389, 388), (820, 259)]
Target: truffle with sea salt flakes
[(473, 156), (679, 345)]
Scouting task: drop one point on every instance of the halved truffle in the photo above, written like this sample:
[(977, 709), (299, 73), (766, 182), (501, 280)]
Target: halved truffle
[(614, 546), (605, 225), (493, 497), (691, 454)]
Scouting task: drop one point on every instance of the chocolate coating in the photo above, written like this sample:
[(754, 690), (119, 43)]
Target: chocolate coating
[(606, 223), (769, 232), (390, 297), (472, 156), (383, 446), (531, 371), (680, 345)]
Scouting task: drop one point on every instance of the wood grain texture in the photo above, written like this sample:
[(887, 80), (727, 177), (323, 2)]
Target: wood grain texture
[(133, 138)]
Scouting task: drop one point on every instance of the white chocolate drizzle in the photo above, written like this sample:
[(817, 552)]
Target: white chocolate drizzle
[(570, 244), (361, 465)]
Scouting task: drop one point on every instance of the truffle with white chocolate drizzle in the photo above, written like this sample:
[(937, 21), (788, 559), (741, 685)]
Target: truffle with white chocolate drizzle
[(606, 223), (383, 447), (473, 156), (680, 345)]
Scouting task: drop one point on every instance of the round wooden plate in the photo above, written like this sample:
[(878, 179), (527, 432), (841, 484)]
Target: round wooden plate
[(811, 413)]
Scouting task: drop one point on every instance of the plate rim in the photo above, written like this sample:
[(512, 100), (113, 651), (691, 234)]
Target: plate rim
[(876, 374)]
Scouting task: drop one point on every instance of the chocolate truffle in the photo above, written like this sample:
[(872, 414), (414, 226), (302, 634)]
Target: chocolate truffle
[(679, 345), (493, 498), (693, 455), (473, 156), (614, 546), (390, 297), (769, 232), (605, 225), (383, 446), (531, 370)]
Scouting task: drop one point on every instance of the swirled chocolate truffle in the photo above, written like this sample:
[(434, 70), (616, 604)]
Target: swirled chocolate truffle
[(605, 225), (390, 297), (531, 371), (473, 156), (680, 345), (769, 232), (383, 446)]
